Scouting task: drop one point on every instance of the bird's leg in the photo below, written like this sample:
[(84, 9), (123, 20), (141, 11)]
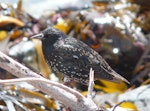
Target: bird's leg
[(68, 81)]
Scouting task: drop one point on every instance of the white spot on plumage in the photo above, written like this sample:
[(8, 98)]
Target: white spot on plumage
[(68, 46), (73, 72), (81, 70), (76, 57)]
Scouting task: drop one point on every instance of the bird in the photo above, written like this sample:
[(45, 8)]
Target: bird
[(73, 58)]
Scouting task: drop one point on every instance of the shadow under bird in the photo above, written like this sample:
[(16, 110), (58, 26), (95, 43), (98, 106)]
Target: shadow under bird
[(73, 58)]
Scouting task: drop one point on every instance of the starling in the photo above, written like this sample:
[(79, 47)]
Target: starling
[(73, 58)]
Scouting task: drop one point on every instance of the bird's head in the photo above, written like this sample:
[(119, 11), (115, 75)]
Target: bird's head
[(50, 34)]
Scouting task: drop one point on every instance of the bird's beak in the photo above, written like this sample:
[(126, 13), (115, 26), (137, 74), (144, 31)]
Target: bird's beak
[(38, 36)]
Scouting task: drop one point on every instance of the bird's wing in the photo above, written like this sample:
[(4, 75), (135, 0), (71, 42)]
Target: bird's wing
[(80, 58)]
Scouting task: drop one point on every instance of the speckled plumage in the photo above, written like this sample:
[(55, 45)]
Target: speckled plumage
[(73, 58)]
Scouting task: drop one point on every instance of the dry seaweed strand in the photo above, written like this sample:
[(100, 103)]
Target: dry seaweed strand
[(117, 105), (91, 84)]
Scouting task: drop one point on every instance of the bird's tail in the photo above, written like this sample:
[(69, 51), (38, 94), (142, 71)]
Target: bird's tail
[(110, 75), (118, 77)]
